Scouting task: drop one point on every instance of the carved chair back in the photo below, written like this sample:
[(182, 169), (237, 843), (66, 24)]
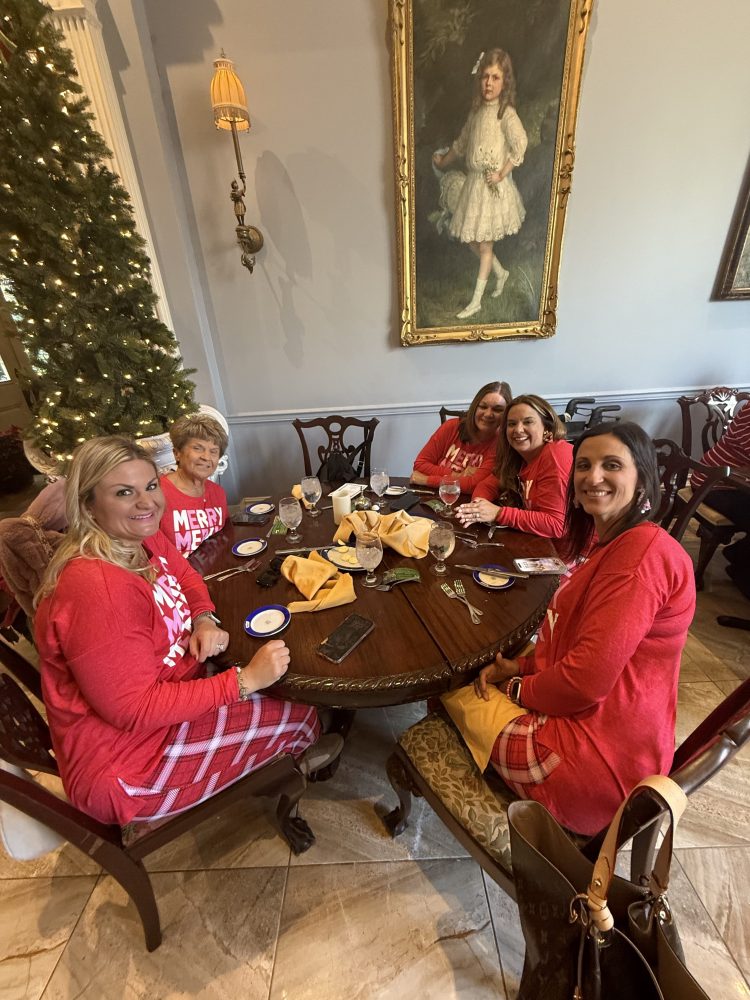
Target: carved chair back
[(446, 412), (335, 428), (710, 411)]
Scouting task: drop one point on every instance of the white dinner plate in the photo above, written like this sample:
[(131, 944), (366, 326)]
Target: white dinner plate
[(341, 556), (259, 508), (268, 620), (250, 547), (493, 582), (395, 491)]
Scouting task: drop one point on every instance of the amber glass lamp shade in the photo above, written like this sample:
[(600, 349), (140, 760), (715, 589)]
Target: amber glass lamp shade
[(228, 97)]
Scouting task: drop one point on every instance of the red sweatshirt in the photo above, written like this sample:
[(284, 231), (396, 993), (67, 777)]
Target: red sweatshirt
[(187, 521), (445, 452), (544, 483), (605, 671), (116, 673)]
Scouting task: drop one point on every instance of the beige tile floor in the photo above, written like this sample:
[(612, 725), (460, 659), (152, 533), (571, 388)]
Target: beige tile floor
[(360, 915)]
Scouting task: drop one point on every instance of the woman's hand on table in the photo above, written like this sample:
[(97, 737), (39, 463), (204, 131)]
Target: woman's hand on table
[(494, 673), (418, 478), (477, 510), (207, 639), (269, 664)]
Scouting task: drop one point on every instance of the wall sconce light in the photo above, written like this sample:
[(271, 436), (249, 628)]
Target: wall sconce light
[(230, 112)]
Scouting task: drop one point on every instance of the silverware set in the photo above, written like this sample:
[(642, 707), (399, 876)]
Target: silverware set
[(475, 544), (224, 574), (459, 594)]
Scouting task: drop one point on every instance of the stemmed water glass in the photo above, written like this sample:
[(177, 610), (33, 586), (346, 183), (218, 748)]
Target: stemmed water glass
[(379, 483), (449, 491), (312, 491), (369, 549), (290, 513), (442, 541)]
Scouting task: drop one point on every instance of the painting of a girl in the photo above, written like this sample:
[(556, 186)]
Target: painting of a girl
[(491, 144)]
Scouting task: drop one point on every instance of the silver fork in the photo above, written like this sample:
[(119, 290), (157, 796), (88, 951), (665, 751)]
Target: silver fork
[(476, 545), (233, 571), (461, 591), (451, 593), (491, 532)]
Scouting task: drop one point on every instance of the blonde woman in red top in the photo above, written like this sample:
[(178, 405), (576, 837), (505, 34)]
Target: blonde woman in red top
[(532, 468)]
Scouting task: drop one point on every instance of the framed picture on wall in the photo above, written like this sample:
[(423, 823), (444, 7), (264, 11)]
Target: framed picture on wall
[(733, 279), (485, 97)]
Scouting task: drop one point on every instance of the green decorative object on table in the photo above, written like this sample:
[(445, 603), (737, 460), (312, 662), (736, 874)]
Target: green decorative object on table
[(278, 527), (437, 506), (401, 575)]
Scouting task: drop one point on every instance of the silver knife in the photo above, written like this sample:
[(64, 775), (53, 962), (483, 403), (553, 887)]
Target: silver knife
[(491, 571), (310, 548)]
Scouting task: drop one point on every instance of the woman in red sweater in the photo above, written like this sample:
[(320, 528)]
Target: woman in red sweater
[(124, 629), (466, 445), (533, 468), (195, 507), (601, 685)]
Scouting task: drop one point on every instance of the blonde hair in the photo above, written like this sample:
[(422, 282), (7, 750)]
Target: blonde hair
[(85, 539), (201, 426)]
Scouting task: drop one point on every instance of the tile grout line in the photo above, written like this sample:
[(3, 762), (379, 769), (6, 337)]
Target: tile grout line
[(494, 930), (97, 879), (278, 924)]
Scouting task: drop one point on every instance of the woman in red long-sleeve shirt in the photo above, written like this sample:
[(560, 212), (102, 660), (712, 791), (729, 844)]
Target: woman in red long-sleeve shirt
[(601, 685), (464, 446), (124, 628), (532, 468)]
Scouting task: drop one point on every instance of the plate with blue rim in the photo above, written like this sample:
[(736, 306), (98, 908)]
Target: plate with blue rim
[(492, 582), (250, 547), (267, 621)]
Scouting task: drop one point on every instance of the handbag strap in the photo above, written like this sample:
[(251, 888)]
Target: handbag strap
[(673, 800)]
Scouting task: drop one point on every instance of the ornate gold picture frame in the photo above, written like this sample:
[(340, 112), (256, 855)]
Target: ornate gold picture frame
[(485, 98), (733, 278)]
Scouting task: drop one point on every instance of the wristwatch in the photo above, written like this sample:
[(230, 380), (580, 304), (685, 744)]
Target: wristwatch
[(513, 690), (207, 614)]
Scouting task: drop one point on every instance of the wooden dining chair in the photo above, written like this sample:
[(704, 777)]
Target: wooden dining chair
[(432, 761), (25, 742), (706, 416), (335, 428), (445, 413)]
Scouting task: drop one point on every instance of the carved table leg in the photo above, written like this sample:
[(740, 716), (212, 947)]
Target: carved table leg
[(397, 820)]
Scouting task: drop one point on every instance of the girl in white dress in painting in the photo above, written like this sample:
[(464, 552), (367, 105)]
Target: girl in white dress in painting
[(492, 142)]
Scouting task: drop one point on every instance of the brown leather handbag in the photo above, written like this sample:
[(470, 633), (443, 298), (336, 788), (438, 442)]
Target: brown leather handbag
[(591, 935)]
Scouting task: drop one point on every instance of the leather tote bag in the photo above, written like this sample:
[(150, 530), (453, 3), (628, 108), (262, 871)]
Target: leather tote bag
[(591, 935)]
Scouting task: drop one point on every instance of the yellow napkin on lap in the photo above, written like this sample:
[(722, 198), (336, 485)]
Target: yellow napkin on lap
[(480, 722), (407, 535), (319, 581)]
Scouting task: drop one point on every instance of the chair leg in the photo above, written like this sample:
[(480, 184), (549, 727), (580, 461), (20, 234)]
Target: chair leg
[(135, 880), (397, 820), (709, 544), (294, 829)]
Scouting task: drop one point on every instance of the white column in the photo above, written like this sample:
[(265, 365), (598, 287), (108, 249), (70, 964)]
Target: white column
[(83, 36)]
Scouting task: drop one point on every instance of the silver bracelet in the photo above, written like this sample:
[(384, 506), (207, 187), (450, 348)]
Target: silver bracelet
[(245, 693)]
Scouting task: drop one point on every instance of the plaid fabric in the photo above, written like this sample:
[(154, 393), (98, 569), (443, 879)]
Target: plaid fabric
[(204, 756), (518, 757)]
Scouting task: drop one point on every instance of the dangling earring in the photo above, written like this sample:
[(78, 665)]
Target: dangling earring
[(547, 436), (642, 501)]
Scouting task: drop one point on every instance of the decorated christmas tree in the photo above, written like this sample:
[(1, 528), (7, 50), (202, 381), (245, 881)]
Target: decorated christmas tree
[(70, 258)]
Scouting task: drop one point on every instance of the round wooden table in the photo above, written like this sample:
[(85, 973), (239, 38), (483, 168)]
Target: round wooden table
[(423, 643)]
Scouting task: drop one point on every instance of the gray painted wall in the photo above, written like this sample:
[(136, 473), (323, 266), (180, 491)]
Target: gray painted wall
[(662, 143)]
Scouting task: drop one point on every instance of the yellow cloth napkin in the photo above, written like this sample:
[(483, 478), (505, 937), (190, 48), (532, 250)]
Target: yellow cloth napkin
[(319, 581), (480, 722), (407, 535), (297, 494)]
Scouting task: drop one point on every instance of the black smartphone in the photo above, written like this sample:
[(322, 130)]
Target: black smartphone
[(242, 517), (345, 637)]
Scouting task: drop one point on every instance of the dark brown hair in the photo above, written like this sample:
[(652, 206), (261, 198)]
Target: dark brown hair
[(579, 526), (508, 462), (497, 57), (467, 428)]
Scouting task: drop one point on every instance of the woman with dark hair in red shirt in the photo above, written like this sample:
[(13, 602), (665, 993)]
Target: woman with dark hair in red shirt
[(601, 685)]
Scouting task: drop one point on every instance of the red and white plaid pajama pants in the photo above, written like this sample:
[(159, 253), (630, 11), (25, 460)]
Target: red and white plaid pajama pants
[(204, 756), (519, 758)]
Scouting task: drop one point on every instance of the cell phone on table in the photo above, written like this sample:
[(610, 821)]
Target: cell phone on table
[(242, 517), (345, 637), (541, 566)]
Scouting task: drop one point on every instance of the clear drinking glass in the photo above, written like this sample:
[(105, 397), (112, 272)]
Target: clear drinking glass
[(379, 483), (449, 491), (369, 551), (312, 491), (442, 541), (290, 513)]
